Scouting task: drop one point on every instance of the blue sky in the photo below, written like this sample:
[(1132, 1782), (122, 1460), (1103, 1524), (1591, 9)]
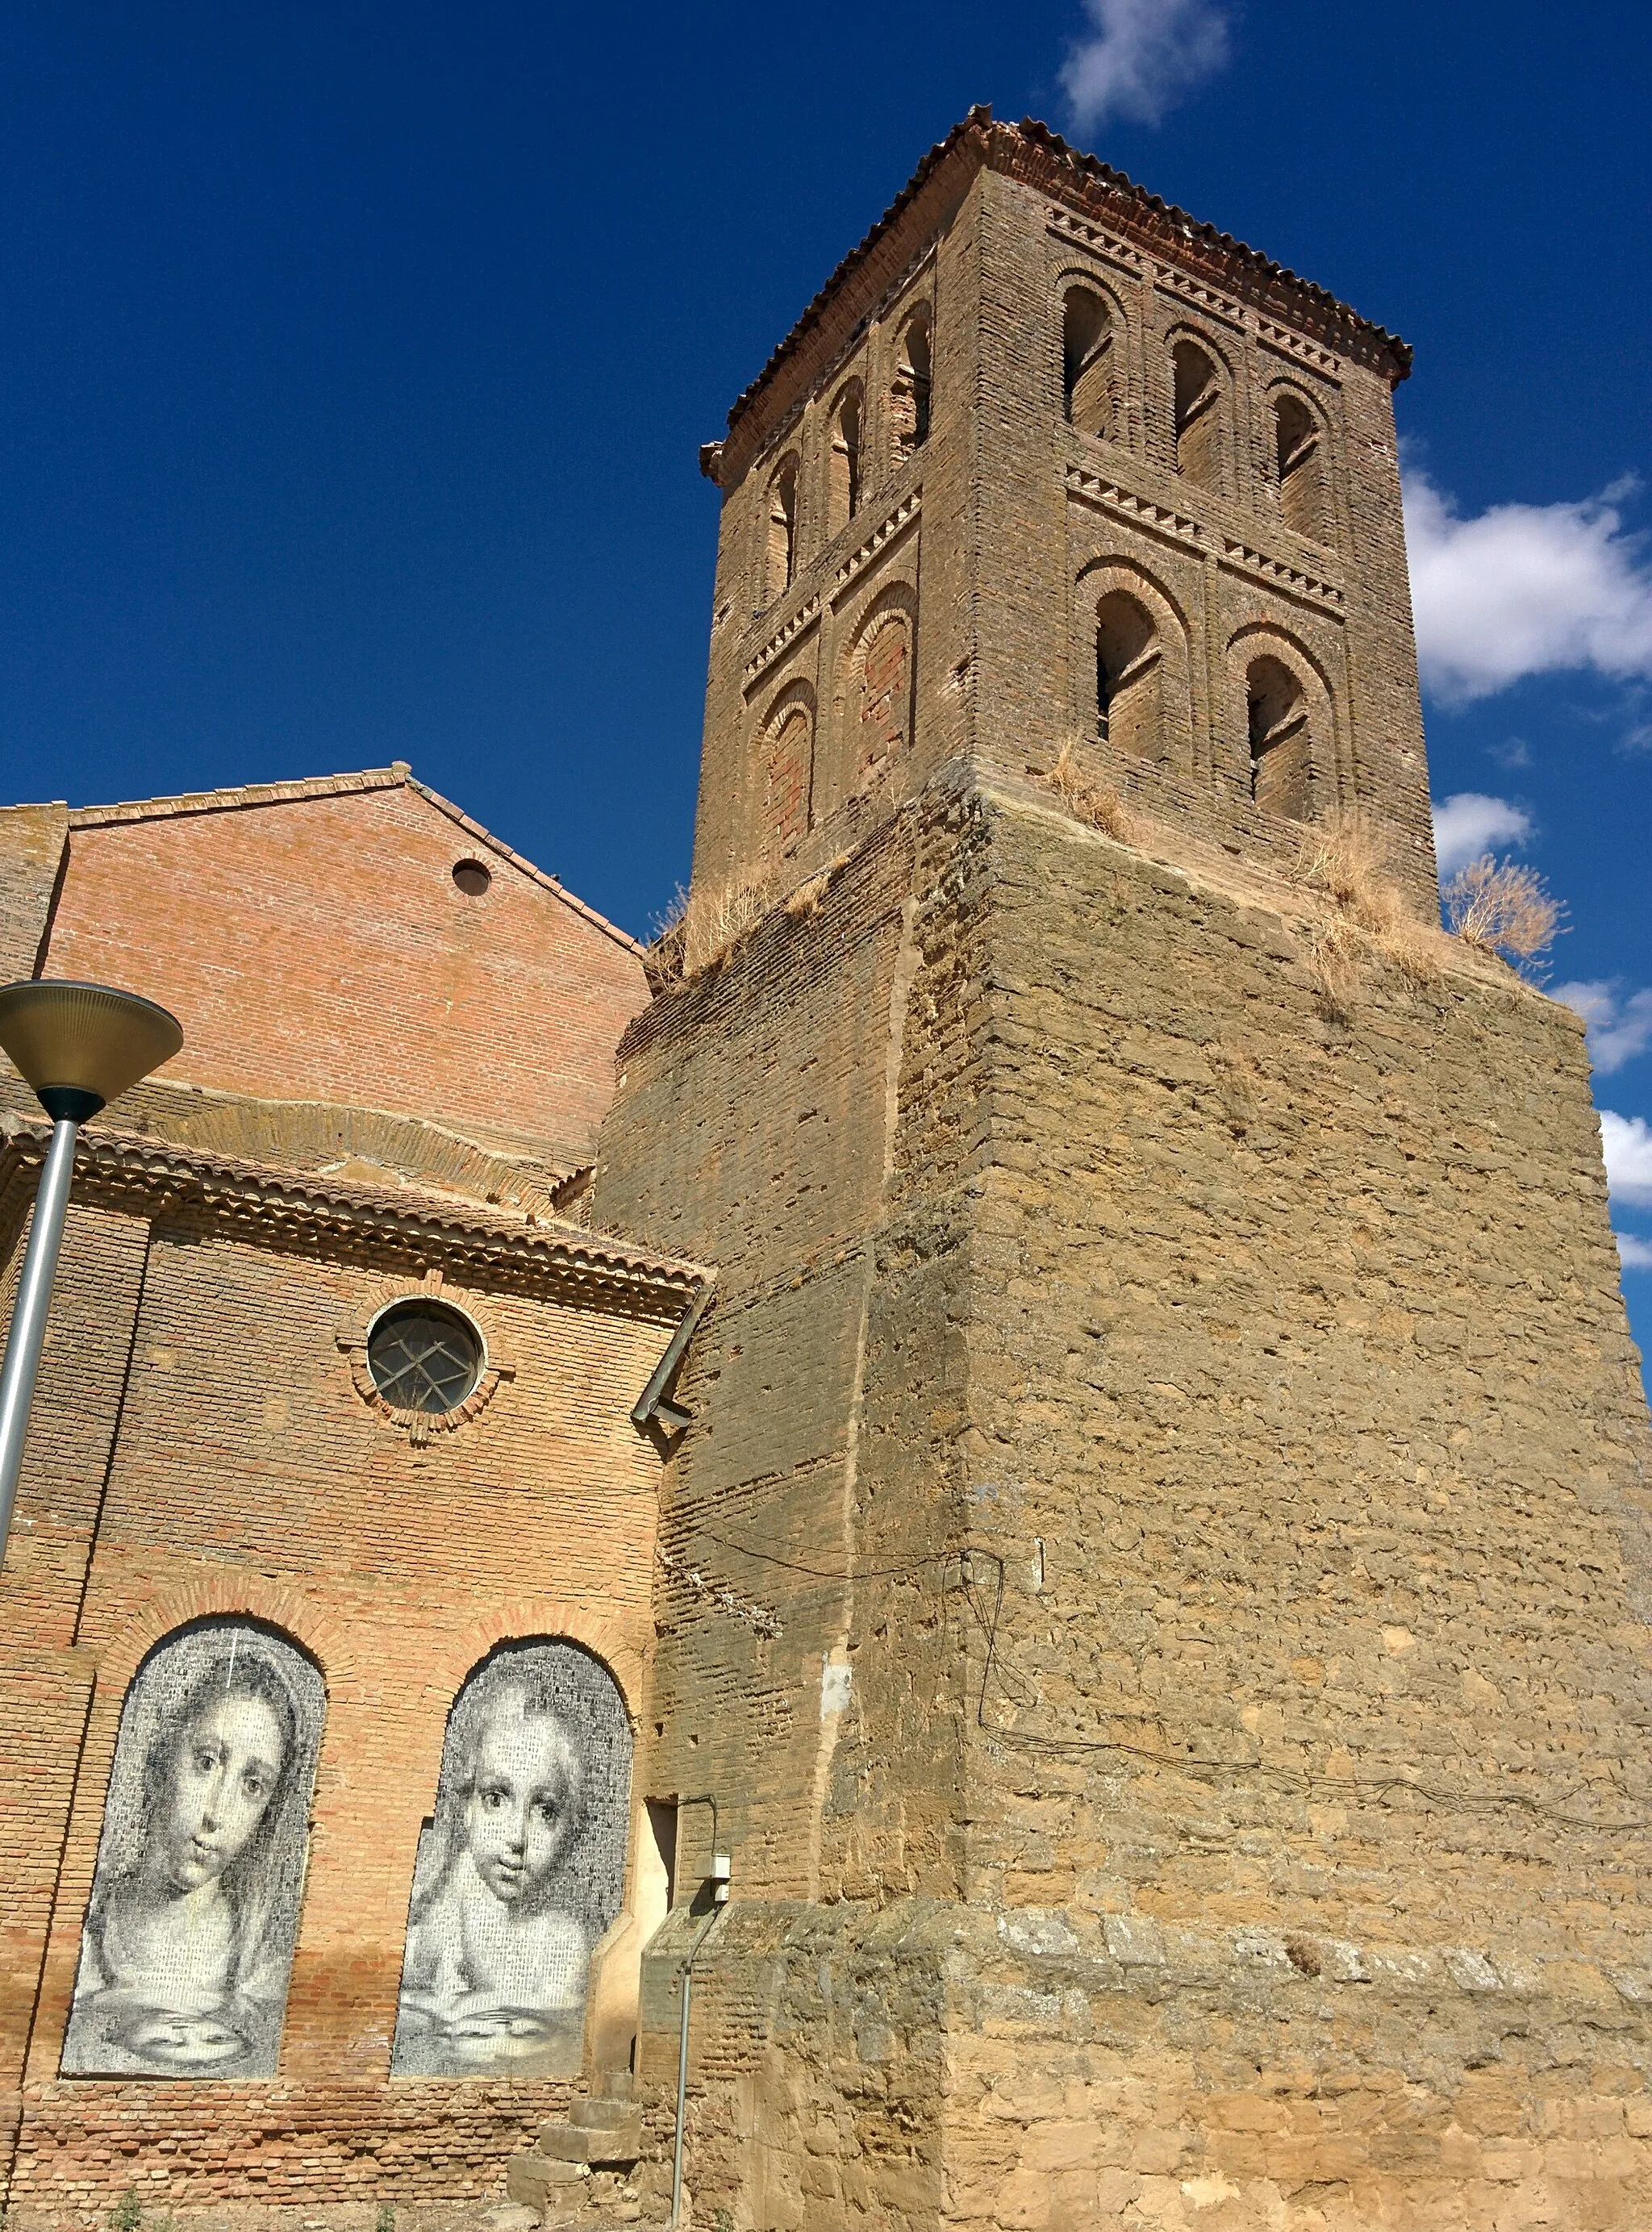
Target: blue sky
[(353, 361)]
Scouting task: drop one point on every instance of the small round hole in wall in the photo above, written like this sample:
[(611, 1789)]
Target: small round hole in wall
[(472, 878)]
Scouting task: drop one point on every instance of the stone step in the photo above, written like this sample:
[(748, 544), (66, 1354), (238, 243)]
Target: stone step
[(555, 2189), (603, 2115), (604, 2142)]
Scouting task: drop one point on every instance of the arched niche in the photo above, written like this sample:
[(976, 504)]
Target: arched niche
[(873, 704), (1131, 698), (780, 551), (1285, 734), (1093, 343), (909, 389), (1300, 461), (785, 771), (521, 1869), (187, 1945), (845, 456), (1201, 408)]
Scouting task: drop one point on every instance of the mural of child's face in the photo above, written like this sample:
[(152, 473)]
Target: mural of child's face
[(223, 1777), (523, 1807)]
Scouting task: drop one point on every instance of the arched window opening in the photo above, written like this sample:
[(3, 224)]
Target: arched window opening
[(1127, 680), (782, 530), (1086, 361), (1198, 415), (909, 396), (844, 468), (531, 1812), (1281, 768), (1296, 440)]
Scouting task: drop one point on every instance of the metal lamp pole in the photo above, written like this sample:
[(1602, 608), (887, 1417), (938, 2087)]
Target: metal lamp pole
[(78, 1046)]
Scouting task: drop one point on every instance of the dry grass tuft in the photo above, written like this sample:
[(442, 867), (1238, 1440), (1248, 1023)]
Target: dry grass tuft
[(1098, 804), (1504, 909), (1362, 913), (698, 929), (807, 898)]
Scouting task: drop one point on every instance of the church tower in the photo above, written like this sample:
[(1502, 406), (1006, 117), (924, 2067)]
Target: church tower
[(1154, 1579)]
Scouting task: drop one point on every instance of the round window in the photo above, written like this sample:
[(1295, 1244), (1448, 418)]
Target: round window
[(424, 1356)]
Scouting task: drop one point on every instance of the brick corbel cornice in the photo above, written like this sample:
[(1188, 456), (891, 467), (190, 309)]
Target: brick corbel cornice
[(316, 1215)]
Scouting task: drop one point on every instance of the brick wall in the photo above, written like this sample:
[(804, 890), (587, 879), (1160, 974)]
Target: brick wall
[(201, 1446), (1025, 521), (316, 947)]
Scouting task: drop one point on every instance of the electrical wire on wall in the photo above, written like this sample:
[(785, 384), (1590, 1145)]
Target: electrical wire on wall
[(984, 1598)]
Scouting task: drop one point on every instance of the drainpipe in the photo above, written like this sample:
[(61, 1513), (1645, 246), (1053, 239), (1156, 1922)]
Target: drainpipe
[(719, 1882)]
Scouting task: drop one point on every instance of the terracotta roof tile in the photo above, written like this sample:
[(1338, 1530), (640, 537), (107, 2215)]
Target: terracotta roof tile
[(1030, 147)]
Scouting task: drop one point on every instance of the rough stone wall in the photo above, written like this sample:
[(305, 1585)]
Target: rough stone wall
[(1296, 1339), (1242, 1525), (201, 1446), (789, 1187), (316, 947), (1308, 1780)]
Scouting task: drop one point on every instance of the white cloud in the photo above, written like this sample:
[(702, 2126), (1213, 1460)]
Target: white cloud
[(1143, 56), (1524, 588), (1469, 823), (1628, 1143), (1633, 1253), (1618, 1028)]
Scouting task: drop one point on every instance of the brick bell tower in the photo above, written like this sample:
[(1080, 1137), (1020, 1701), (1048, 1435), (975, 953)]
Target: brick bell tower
[(1156, 1580)]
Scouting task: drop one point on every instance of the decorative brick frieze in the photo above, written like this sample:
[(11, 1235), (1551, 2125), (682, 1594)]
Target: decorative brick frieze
[(881, 536), (1279, 574), (1065, 226), (1107, 496), (784, 637), (1181, 288), (152, 1177), (1299, 345)]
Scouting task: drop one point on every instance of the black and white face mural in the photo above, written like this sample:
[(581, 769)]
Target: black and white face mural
[(188, 1941), (520, 1871)]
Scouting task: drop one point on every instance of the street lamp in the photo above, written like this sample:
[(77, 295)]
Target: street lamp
[(78, 1045)]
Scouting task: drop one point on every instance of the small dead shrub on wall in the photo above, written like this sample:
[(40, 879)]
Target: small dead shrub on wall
[(1098, 804), (1504, 909), (699, 928), (1361, 913)]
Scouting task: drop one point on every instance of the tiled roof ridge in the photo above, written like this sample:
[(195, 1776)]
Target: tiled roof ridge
[(113, 1157), (239, 795), (473, 828), (398, 776), (1091, 167), (993, 136)]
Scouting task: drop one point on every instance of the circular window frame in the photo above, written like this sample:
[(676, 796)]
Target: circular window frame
[(465, 873), (419, 1426)]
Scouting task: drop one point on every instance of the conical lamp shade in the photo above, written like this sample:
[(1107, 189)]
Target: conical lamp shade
[(79, 1044)]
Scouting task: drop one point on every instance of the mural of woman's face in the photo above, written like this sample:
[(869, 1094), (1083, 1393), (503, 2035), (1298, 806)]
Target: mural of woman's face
[(524, 1804), (224, 1777)]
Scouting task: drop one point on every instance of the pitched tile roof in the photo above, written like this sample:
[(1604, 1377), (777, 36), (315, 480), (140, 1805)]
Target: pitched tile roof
[(1031, 151)]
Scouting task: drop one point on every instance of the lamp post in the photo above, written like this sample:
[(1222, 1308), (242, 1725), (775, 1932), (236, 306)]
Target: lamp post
[(78, 1046)]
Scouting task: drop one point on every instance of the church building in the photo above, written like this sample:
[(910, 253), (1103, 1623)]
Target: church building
[(986, 1516)]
